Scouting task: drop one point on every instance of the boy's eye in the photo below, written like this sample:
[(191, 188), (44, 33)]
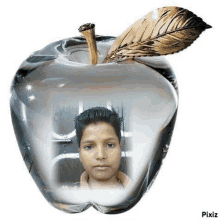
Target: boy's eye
[(110, 145), (88, 147)]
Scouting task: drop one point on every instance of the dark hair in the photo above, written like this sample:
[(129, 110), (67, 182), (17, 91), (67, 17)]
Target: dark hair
[(95, 115)]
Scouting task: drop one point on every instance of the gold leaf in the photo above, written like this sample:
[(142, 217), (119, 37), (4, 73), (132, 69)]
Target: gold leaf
[(164, 31)]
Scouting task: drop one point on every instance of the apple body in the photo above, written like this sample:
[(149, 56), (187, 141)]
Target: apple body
[(56, 84)]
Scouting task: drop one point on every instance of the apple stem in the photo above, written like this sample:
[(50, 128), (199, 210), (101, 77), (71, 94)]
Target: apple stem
[(88, 31)]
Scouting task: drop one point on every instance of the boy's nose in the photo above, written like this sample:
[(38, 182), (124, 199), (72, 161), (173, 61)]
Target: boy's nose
[(101, 153)]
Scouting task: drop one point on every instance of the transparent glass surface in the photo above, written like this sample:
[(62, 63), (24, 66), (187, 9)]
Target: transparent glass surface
[(57, 84)]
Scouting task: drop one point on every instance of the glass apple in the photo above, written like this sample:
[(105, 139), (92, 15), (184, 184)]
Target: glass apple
[(56, 84)]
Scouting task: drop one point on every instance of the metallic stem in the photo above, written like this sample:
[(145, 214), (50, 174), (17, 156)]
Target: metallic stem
[(88, 31)]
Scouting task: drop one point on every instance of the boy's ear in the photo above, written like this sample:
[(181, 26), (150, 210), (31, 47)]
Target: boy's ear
[(79, 154)]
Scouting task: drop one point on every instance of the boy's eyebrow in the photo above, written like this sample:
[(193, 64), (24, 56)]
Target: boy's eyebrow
[(91, 141), (88, 141), (111, 138)]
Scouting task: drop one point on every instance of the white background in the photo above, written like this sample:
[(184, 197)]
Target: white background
[(188, 182)]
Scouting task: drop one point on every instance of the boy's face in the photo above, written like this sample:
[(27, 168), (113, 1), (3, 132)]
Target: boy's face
[(100, 151)]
